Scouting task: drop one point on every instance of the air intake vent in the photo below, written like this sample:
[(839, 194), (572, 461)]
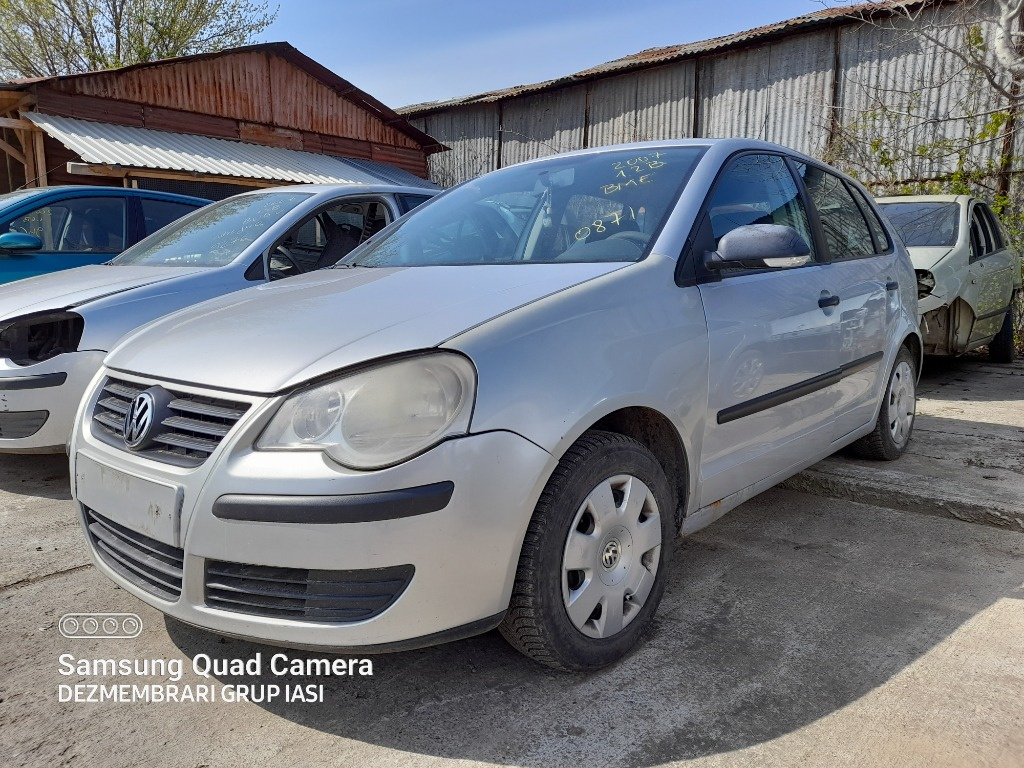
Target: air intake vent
[(148, 564), (304, 595)]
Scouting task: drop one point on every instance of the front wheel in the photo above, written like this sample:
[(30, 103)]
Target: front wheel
[(592, 568), (891, 435)]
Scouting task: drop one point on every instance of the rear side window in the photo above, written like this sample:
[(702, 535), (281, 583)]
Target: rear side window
[(157, 214), (407, 202), (995, 230), (878, 232), (846, 231), (757, 189)]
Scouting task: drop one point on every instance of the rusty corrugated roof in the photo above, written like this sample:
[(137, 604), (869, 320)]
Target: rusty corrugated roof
[(656, 56)]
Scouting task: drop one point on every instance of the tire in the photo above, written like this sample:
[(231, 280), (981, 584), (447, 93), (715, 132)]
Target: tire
[(1001, 348), (891, 435), (607, 499)]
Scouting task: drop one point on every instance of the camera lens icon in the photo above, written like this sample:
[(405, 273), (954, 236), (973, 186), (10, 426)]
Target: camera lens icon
[(99, 626)]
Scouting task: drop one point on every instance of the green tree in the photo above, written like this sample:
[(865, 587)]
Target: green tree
[(39, 38)]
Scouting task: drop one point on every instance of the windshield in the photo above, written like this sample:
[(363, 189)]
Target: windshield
[(212, 236), (924, 224), (588, 208)]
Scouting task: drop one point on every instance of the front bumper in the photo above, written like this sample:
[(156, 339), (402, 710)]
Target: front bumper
[(47, 392), (458, 540)]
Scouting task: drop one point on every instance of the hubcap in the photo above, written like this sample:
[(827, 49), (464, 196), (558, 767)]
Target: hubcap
[(901, 403), (611, 556)]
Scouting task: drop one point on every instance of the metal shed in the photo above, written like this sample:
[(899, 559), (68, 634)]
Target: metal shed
[(806, 82)]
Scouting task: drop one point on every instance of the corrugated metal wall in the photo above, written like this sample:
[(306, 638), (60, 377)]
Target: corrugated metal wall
[(890, 82), (779, 92), (910, 92), (471, 134), (545, 124)]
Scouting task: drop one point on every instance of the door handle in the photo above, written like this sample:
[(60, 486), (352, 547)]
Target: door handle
[(828, 301), (892, 285)]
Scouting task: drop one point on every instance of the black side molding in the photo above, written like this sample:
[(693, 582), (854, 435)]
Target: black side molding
[(986, 316), (794, 391), (40, 381), (332, 510)]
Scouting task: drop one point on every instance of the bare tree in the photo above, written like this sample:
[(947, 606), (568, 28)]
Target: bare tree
[(39, 38)]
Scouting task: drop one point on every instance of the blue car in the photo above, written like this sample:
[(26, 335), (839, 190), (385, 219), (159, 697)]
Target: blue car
[(53, 228)]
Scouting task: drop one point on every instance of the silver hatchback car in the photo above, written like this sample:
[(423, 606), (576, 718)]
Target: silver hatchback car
[(500, 410)]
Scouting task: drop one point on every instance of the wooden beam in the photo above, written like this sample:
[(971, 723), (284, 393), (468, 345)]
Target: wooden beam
[(19, 156), (123, 172), (17, 124)]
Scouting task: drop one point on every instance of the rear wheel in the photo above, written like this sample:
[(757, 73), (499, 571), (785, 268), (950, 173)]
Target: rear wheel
[(895, 424), (1001, 349), (592, 568)]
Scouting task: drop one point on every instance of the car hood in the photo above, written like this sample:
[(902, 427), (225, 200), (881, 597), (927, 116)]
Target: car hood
[(926, 257), (75, 287), (270, 338)]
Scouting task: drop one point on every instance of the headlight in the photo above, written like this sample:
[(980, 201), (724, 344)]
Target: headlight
[(378, 417), (38, 337)]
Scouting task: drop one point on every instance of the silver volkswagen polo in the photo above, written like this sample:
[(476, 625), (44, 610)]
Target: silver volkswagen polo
[(500, 411)]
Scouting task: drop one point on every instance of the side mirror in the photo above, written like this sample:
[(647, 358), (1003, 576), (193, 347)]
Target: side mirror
[(759, 246), (19, 241)]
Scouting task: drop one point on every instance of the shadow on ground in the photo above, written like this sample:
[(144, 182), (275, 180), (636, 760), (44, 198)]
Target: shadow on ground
[(43, 476), (782, 613)]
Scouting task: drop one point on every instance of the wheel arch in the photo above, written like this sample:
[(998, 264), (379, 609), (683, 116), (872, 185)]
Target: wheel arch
[(913, 342), (656, 432)]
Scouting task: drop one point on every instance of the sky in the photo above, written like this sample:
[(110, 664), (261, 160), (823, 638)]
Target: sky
[(408, 51)]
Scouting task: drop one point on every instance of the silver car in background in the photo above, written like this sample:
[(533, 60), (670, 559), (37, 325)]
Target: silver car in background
[(55, 329), (503, 409)]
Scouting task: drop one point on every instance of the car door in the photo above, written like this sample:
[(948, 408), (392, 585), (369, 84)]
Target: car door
[(74, 230), (773, 337), (862, 274), (990, 274)]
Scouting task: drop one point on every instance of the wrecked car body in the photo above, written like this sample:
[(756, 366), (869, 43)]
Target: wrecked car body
[(968, 275)]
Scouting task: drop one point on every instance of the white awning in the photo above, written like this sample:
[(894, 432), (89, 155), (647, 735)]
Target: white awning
[(119, 146)]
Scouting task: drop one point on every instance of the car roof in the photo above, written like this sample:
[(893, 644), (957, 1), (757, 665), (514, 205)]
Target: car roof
[(60, 189), (925, 198), (355, 189)]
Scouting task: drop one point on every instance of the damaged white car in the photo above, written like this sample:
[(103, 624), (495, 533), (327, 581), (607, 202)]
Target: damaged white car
[(968, 275)]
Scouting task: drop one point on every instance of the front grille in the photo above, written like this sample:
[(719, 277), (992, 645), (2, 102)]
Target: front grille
[(148, 564), (304, 595), (18, 424), (186, 438)]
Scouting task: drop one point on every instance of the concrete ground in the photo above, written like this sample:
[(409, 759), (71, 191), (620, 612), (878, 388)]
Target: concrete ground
[(797, 630), (966, 459)]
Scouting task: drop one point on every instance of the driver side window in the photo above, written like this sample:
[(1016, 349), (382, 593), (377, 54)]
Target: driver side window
[(757, 189), (324, 239)]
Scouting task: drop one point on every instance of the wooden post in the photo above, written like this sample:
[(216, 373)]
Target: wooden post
[(25, 137), (40, 153)]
